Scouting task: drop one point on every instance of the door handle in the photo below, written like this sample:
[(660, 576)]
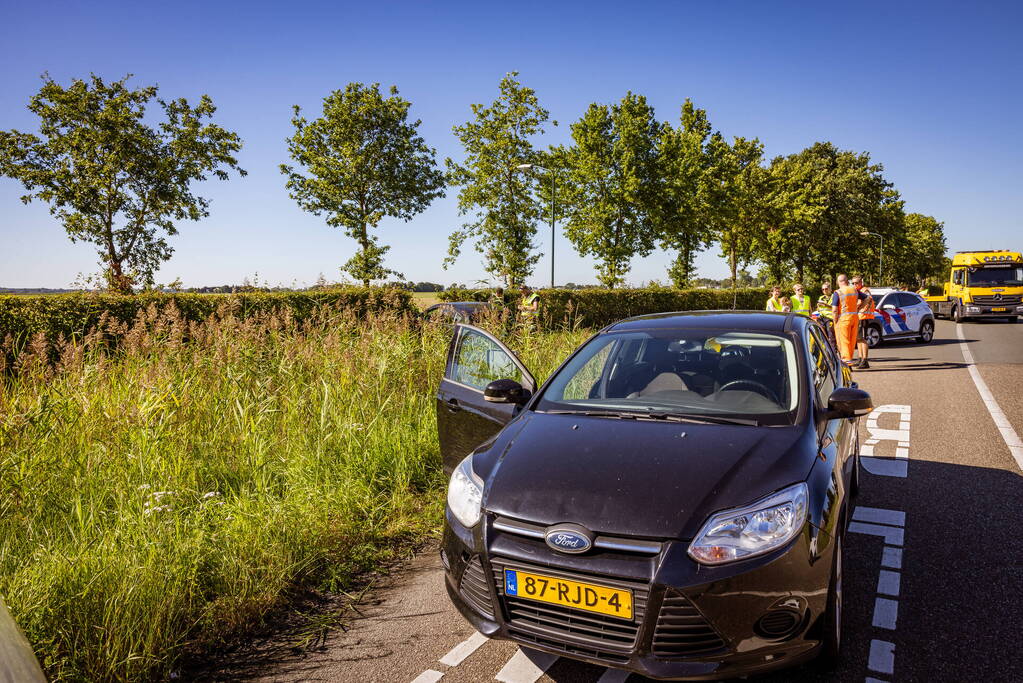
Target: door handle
[(453, 405)]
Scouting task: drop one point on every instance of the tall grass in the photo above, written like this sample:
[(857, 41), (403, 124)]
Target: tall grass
[(166, 493)]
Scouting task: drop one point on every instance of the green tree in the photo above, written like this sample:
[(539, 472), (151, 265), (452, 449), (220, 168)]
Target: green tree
[(682, 212), (109, 177), (822, 199), (500, 200), (613, 185), (363, 161), (737, 197), (921, 255)]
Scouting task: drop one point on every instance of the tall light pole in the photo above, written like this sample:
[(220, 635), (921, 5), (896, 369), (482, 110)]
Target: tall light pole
[(529, 167), (880, 256)]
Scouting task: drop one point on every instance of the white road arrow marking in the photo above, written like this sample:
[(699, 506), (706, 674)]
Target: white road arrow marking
[(459, 652)]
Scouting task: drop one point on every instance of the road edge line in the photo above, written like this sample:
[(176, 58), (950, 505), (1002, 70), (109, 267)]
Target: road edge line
[(1002, 424)]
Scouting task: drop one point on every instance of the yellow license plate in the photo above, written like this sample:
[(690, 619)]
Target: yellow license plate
[(999, 309), (614, 602)]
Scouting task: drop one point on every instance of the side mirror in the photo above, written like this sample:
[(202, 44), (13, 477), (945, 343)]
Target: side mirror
[(848, 402), (505, 391)]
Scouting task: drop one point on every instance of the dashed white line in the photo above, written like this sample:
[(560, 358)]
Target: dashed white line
[(459, 652), (892, 535), (523, 669), (882, 656), (891, 558), (428, 676), (888, 583), (886, 613), (1009, 435), (879, 515), (613, 676)]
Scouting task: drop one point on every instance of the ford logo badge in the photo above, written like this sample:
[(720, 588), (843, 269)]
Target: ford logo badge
[(570, 539)]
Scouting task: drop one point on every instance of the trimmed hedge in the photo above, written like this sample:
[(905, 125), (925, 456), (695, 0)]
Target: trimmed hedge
[(73, 315), (599, 307)]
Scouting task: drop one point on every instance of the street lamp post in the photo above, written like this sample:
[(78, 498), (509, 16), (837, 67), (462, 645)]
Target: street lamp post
[(529, 167), (880, 256)]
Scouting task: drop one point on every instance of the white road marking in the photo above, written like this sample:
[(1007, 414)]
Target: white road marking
[(892, 558), (886, 612), (863, 513), (882, 656), (523, 669), (892, 535), (459, 652), (886, 466), (613, 676), (1009, 435), (888, 583), (428, 676)]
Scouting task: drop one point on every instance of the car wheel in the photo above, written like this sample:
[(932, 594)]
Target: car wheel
[(957, 314), (831, 641), (926, 332), (873, 336)]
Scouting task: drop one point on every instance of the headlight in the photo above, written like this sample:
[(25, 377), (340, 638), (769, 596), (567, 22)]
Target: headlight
[(465, 494), (752, 530)]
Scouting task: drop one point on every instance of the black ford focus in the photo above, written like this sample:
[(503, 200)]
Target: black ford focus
[(672, 501)]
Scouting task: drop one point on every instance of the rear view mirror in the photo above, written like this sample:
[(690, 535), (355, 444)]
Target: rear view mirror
[(505, 391), (848, 402)]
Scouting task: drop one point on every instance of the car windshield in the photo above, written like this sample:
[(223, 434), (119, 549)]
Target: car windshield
[(698, 373), (994, 276)]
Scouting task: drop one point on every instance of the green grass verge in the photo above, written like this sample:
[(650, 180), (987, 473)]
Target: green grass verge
[(163, 497)]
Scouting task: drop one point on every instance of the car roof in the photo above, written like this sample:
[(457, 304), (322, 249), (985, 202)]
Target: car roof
[(754, 321)]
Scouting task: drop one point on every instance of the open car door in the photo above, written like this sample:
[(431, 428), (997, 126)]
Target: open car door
[(465, 419)]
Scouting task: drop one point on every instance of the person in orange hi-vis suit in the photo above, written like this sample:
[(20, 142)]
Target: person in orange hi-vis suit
[(845, 303)]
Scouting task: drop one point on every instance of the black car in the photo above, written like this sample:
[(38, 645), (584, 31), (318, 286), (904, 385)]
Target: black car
[(671, 501), (458, 311)]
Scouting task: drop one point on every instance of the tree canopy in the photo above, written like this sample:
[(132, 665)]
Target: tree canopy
[(112, 179), (363, 161), (500, 200), (613, 185)]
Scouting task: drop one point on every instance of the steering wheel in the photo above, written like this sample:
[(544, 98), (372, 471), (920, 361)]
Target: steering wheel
[(750, 385)]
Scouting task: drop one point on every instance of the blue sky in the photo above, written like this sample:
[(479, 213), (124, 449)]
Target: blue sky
[(931, 90)]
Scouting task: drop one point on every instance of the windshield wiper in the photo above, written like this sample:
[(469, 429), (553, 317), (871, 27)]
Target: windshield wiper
[(625, 415), (707, 419)]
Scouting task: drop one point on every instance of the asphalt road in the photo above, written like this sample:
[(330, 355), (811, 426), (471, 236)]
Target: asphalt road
[(934, 558)]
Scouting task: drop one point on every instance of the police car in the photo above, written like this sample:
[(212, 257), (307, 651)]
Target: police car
[(898, 315)]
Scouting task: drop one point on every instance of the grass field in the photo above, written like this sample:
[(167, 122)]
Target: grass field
[(164, 496), (425, 299)]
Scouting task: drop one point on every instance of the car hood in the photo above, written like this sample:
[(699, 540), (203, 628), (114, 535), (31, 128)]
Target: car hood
[(638, 477)]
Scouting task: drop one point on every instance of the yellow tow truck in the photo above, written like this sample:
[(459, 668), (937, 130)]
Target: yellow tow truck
[(982, 284)]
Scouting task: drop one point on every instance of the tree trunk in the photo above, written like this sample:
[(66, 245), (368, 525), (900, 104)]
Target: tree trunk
[(116, 278), (364, 241)]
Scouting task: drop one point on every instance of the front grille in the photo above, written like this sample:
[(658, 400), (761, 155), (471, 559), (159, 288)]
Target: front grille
[(1006, 300), (682, 631), (473, 588), (586, 632)]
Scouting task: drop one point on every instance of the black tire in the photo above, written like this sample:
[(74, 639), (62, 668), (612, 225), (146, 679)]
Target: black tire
[(831, 638), (926, 332), (873, 335), (957, 314)]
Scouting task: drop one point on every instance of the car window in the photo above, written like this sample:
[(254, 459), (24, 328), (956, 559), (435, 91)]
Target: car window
[(478, 361), (822, 365), (680, 371), (908, 299)]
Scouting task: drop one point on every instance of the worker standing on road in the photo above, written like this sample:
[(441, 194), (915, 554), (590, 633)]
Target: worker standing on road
[(774, 303), (824, 302), (845, 304), (529, 307), (866, 314), (800, 301)]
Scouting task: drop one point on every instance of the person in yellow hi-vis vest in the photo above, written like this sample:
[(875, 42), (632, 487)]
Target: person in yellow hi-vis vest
[(529, 307), (774, 303), (824, 302), (845, 304), (800, 301)]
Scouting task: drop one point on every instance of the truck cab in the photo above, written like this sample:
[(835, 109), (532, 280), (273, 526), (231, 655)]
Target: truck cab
[(982, 284)]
